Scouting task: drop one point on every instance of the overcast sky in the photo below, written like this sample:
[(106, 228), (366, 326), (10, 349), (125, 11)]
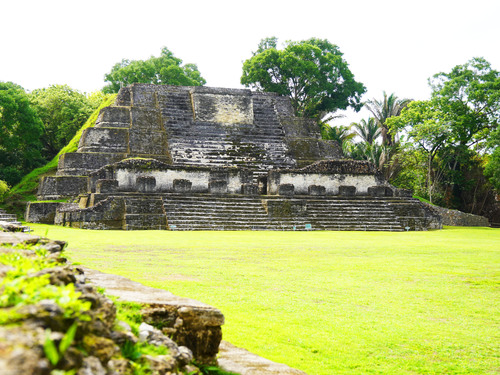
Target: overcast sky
[(389, 45)]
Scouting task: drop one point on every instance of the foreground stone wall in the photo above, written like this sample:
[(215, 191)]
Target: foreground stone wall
[(99, 339)]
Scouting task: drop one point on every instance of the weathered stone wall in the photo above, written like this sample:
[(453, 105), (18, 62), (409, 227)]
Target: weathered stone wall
[(41, 212), (302, 182), (108, 214), (459, 218), (152, 176), (100, 342), (59, 187)]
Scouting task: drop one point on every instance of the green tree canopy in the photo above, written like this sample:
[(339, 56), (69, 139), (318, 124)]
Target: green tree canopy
[(20, 131), (163, 70), (63, 111), (455, 129), (428, 130), (470, 97), (311, 72), (492, 170)]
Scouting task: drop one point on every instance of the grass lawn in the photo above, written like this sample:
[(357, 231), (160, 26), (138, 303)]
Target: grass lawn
[(327, 302)]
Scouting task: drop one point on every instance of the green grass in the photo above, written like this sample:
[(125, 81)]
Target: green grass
[(327, 302)]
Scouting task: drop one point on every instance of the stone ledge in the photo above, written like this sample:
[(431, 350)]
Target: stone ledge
[(190, 323), (241, 361), (198, 323)]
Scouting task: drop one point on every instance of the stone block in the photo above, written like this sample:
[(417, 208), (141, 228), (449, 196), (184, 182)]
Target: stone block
[(146, 184), (143, 95), (41, 212), (286, 189), (106, 186), (196, 327), (147, 143), (249, 189), (144, 205), (107, 214), (104, 140), (227, 107), (347, 191), (407, 193), (114, 117), (146, 119), (182, 185), (380, 191), (83, 163), (316, 190), (123, 98), (219, 174), (57, 187), (217, 187)]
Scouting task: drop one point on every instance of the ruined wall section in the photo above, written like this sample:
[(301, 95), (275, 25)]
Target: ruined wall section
[(303, 138)]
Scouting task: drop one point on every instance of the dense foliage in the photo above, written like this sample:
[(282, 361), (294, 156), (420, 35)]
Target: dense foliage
[(63, 111), (20, 132), (163, 70), (311, 72), (455, 131), (445, 149)]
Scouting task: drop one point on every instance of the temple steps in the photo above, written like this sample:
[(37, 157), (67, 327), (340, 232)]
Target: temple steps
[(10, 218), (204, 212), (144, 212)]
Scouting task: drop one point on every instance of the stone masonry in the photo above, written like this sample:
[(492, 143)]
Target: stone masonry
[(187, 158)]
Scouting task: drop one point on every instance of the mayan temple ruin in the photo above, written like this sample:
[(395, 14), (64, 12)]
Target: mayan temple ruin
[(200, 158)]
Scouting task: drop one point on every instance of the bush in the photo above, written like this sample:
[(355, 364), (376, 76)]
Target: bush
[(4, 188)]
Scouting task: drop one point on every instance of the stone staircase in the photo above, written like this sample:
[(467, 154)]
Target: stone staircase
[(144, 212), (207, 143), (206, 212), (9, 218)]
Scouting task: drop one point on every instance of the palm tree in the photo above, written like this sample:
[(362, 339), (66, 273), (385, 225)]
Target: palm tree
[(383, 109), (341, 134), (367, 130)]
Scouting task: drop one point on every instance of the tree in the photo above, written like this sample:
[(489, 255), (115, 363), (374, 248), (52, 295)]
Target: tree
[(340, 134), (63, 111), (368, 130), (163, 70), (470, 97), (492, 170), (428, 129), (383, 109), (4, 188), (20, 131), (311, 72)]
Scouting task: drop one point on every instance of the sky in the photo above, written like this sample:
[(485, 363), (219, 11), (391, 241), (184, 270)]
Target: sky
[(392, 46)]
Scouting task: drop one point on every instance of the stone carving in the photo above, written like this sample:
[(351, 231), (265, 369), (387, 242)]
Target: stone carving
[(189, 158)]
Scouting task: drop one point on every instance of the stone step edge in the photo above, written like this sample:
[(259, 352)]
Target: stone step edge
[(231, 358)]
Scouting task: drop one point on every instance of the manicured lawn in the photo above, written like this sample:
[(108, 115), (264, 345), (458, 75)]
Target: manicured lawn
[(327, 302)]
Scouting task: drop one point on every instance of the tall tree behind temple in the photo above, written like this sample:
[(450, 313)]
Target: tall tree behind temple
[(311, 72), (63, 111), (163, 70)]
